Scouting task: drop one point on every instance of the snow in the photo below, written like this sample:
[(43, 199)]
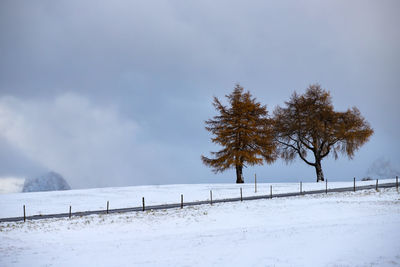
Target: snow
[(335, 229), (124, 197)]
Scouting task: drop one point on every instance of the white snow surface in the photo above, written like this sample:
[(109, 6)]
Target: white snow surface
[(335, 229), (124, 197)]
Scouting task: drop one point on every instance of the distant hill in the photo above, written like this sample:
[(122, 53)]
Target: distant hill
[(50, 181)]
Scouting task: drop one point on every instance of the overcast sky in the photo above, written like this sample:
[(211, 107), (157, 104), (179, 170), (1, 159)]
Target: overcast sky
[(114, 93)]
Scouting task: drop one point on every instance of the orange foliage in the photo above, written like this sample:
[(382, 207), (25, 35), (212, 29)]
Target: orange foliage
[(309, 123), (243, 130)]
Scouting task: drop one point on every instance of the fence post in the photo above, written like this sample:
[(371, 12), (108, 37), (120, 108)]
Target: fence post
[(143, 203), (70, 212), (241, 195), (301, 185), (270, 191), (376, 184), (107, 205), (181, 201), (211, 197), (354, 184), (255, 183), (326, 186), (24, 214), (397, 183)]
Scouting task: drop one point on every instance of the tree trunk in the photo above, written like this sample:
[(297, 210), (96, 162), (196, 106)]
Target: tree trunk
[(318, 170), (239, 174)]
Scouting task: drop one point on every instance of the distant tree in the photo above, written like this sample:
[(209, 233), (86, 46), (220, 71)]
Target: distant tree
[(243, 130), (309, 123)]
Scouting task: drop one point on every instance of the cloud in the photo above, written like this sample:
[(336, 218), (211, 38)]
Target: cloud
[(88, 144), (150, 69), (11, 185), (383, 168)]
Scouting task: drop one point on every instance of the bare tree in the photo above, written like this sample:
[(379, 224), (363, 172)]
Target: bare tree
[(309, 124)]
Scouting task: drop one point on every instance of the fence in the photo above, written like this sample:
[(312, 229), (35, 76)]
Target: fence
[(211, 201)]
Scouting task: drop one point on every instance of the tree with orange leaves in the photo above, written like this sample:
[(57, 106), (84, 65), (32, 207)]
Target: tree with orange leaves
[(243, 130), (309, 124)]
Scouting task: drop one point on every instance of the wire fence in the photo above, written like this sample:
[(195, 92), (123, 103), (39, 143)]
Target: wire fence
[(210, 201)]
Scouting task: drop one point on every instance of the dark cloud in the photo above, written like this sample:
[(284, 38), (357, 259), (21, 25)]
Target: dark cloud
[(158, 64), (15, 162)]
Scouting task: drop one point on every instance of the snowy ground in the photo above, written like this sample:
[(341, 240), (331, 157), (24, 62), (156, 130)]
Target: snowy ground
[(337, 229), (125, 197)]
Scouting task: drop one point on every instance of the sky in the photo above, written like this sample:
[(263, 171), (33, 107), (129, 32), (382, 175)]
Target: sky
[(115, 93)]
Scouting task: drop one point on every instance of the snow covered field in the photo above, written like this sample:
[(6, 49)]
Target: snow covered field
[(124, 197), (337, 229)]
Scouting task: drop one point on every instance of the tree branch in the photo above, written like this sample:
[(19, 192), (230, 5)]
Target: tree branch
[(303, 158)]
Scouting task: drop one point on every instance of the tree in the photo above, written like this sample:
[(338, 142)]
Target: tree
[(243, 130), (309, 123)]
